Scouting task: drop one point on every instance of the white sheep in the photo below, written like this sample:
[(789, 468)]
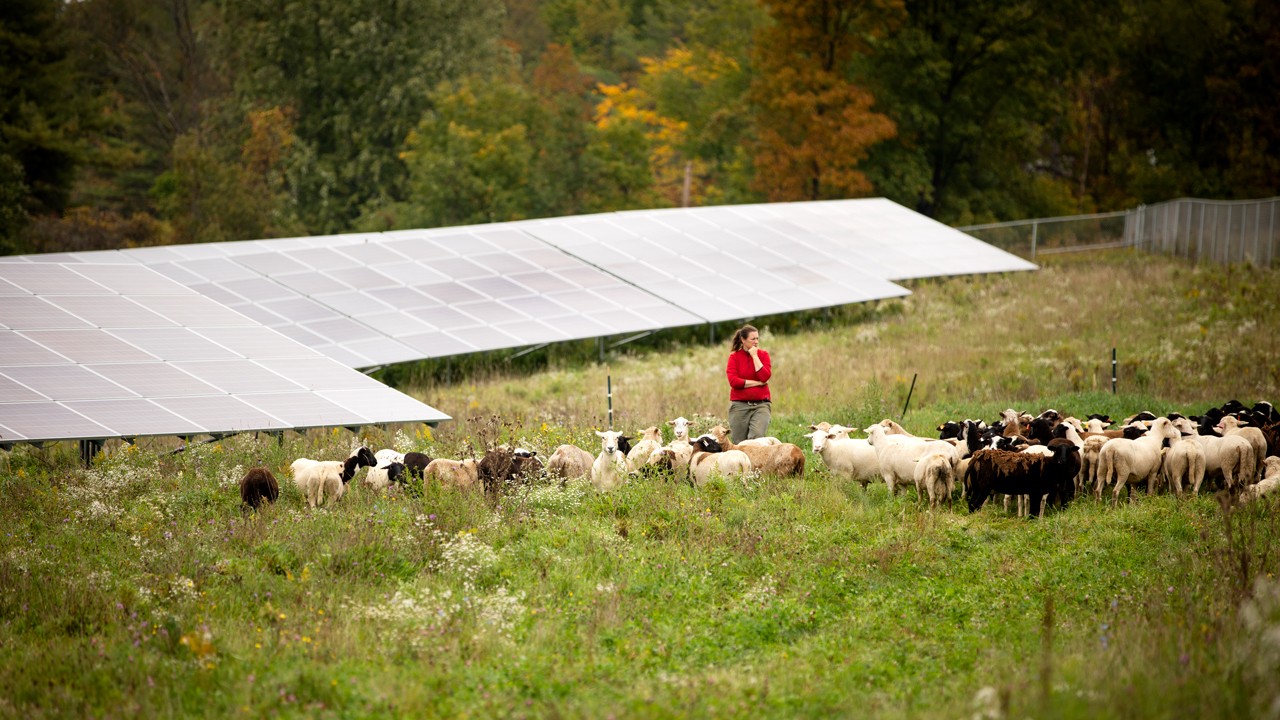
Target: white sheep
[(935, 478), (569, 462), (897, 454), (650, 442), (1229, 458), (680, 429), (1183, 465), (1230, 425), (846, 457), (893, 428), (320, 478), (381, 477), (1270, 482), (456, 473), (1088, 476), (610, 467), (386, 456), (710, 459), (1124, 461)]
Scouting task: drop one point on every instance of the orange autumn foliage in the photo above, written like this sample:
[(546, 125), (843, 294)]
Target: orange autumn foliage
[(814, 125)]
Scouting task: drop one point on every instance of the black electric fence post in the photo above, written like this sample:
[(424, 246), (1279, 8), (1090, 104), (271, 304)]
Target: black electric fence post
[(909, 392), (1113, 371), (609, 386)]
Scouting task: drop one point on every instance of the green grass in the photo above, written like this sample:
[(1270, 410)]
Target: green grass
[(137, 588)]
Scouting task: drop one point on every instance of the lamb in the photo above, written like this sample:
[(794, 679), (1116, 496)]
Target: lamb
[(569, 462), (784, 460), (1230, 425), (609, 470), (457, 473), (258, 485), (934, 477), (1270, 482), (650, 442), (1124, 461), (711, 458), (386, 456), (1016, 473), (846, 457), (315, 478)]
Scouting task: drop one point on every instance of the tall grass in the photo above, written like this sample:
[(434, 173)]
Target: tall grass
[(137, 588)]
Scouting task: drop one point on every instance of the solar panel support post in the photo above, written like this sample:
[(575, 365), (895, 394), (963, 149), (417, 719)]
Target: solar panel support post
[(600, 349), (88, 449)]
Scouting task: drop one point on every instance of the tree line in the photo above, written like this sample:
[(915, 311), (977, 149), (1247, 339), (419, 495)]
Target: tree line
[(142, 122)]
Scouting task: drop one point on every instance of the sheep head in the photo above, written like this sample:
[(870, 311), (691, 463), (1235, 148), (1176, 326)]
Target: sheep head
[(609, 441)]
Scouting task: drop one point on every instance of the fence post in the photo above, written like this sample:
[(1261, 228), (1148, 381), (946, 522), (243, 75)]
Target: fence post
[(1035, 226), (1113, 371)]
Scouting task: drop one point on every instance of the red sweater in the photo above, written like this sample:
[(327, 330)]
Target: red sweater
[(741, 369)]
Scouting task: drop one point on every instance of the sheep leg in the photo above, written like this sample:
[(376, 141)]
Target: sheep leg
[(1036, 506)]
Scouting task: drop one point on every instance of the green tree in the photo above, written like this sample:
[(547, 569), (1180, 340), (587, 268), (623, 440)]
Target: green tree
[(357, 76), (212, 195), (975, 89), (471, 159), (40, 114)]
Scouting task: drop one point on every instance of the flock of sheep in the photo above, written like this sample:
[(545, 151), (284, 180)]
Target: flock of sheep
[(1042, 460)]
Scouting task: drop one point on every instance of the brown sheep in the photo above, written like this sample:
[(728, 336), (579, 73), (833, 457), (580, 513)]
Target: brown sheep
[(1015, 473), (784, 460), (258, 485)]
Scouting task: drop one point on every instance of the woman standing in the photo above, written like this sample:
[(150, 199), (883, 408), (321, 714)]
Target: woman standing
[(748, 372)]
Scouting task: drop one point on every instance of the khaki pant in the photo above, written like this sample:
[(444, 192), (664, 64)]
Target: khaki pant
[(748, 419)]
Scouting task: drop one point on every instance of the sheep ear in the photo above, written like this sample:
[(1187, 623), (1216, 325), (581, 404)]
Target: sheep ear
[(599, 434)]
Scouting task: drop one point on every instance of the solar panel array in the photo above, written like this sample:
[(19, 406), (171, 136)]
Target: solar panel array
[(188, 338), (367, 300), (373, 300), (96, 351), (876, 235)]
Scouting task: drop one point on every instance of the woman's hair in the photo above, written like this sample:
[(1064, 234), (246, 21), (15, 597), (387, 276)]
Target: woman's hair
[(741, 335)]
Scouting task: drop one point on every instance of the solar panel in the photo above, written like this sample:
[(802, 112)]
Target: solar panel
[(95, 351), (370, 299)]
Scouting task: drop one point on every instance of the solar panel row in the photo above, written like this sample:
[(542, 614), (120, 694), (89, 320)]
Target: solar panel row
[(365, 300), (99, 351)]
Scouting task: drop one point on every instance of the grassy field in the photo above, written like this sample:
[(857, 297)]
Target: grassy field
[(137, 588)]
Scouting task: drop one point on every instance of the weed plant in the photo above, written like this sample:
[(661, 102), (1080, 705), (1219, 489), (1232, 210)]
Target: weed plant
[(139, 587)]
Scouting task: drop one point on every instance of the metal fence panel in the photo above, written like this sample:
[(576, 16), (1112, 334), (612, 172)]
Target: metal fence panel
[(1217, 231)]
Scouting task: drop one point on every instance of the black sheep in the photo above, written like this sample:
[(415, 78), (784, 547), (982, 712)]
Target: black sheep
[(1014, 473)]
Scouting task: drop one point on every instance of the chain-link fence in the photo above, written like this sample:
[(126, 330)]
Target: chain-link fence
[(1028, 238), (1212, 230)]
